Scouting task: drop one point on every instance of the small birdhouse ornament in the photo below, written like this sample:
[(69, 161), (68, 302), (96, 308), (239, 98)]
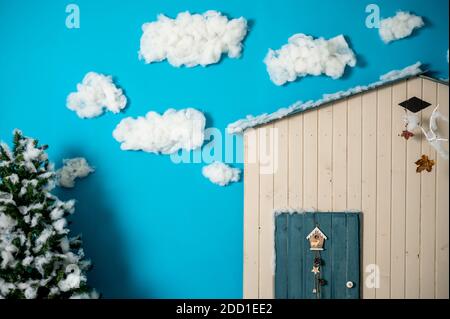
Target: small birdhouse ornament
[(316, 239)]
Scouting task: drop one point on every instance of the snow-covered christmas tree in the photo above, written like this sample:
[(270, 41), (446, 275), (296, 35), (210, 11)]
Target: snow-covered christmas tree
[(37, 258)]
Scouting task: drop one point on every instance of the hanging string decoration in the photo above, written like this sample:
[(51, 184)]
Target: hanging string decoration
[(316, 240), (411, 122)]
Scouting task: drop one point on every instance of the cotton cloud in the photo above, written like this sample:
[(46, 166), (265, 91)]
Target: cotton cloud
[(400, 26), (192, 39), (96, 93), (166, 133), (221, 174), (72, 169), (304, 55)]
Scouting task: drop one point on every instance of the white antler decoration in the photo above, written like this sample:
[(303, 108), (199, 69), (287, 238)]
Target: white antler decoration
[(434, 140)]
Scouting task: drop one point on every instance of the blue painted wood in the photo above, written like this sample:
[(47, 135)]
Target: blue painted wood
[(309, 224), (325, 224), (296, 248), (281, 272), (353, 258), (294, 260), (338, 255)]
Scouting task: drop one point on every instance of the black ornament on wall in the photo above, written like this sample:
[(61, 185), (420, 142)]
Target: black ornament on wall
[(414, 104)]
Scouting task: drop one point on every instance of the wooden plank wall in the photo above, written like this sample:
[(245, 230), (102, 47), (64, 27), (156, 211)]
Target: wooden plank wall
[(349, 156), (293, 276)]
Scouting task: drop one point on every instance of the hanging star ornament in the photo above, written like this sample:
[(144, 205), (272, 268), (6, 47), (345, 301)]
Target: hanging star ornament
[(315, 270), (424, 163), (406, 134)]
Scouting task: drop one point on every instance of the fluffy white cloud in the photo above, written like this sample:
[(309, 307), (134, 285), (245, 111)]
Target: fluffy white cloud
[(166, 133), (400, 26), (221, 174), (303, 55), (72, 169), (192, 39), (96, 93)]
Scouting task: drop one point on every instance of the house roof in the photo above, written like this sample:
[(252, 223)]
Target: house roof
[(316, 230), (389, 78)]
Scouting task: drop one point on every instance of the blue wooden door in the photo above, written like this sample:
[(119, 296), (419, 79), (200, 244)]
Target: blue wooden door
[(340, 256)]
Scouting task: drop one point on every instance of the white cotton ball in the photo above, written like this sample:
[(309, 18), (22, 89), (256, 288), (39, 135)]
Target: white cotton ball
[(400, 26), (5, 287), (221, 174), (41, 261), (13, 178), (166, 133), (192, 39), (64, 244), (60, 226), (27, 261), (94, 94), (7, 259), (73, 278), (42, 239), (30, 293), (394, 75), (303, 55), (6, 222), (72, 169)]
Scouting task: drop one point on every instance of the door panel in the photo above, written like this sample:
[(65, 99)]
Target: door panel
[(294, 259)]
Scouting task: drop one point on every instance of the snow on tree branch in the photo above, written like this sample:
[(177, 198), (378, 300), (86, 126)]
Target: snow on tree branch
[(37, 258)]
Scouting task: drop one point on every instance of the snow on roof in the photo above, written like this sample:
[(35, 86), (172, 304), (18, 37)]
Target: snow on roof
[(314, 231), (300, 106)]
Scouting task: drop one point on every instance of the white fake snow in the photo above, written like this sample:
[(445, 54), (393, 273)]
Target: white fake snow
[(400, 26), (304, 55), (72, 169), (73, 279), (96, 93), (166, 133), (192, 39), (251, 121), (221, 174)]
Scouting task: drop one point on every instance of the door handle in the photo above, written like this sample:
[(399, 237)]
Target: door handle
[(349, 284)]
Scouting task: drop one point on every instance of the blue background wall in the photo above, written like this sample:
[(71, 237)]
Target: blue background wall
[(153, 228)]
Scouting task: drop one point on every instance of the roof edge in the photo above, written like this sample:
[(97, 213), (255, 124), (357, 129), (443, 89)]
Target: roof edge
[(393, 77)]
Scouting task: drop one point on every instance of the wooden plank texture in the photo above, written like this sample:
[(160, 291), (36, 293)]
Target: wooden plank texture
[(383, 215), (325, 160), (295, 167), (296, 248), (339, 254), (352, 255), (413, 153), (310, 150), (354, 152), (369, 184), (281, 247), (398, 200), (266, 206), (325, 223), (339, 163), (428, 203), (251, 216), (349, 156), (442, 208)]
